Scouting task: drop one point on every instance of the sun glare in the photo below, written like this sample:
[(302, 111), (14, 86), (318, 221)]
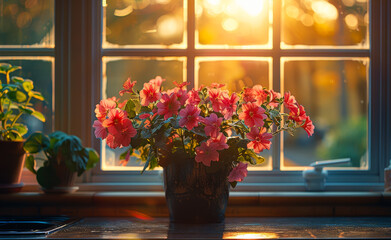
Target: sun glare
[(325, 10), (251, 7)]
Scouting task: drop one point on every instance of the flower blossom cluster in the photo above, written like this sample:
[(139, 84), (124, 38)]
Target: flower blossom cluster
[(113, 123), (201, 119)]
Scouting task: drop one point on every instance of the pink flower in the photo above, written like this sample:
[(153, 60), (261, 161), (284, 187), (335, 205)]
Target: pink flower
[(190, 117), (260, 94), (308, 126), (206, 153), (289, 101), (215, 99), (150, 93), (181, 85), (168, 105), (193, 98), (104, 107), (238, 173), (110, 140), (249, 95), (113, 123), (217, 85), (260, 139), (297, 114), (127, 87), (229, 105), (157, 81), (100, 131), (144, 115), (181, 95), (252, 115), (274, 96), (122, 137), (212, 125), (219, 142)]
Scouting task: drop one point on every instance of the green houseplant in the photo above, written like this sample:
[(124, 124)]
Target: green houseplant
[(63, 157), (203, 138), (16, 97)]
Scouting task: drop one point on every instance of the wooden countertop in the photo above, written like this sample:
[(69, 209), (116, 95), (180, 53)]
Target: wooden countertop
[(233, 228), (241, 204)]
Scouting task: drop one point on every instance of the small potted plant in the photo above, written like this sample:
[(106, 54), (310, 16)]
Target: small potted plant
[(16, 97), (65, 157), (203, 138)]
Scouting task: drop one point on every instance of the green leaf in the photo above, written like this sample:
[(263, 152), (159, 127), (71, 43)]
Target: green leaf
[(21, 128), (130, 108), (93, 158), (29, 164), (36, 142), (17, 96), (233, 184), (26, 110), (13, 134), (46, 177), (36, 95), (38, 116), (28, 85), (4, 67), (151, 155), (17, 79), (14, 68)]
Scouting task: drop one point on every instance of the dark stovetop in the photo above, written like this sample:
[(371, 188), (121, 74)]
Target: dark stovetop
[(233, 228)]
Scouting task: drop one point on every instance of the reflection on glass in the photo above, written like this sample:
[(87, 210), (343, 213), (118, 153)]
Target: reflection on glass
[(27, 22), (40, 71), (249, 235), (115, 72), (334, 93), (143, 22), (235, 73), (232, 23), (325, 22)]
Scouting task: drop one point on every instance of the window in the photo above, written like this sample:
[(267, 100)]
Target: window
[(319, 50), (27, 40), (341, 61)]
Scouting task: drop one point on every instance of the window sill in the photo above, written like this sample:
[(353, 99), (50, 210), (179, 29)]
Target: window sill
[(241, 204)]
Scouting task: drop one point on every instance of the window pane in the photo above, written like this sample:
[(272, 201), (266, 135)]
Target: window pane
[(236, 73), (115, 72), (325, 22), (233, 23), (27, 22), (40, 71), (143, 22), (334, 94)]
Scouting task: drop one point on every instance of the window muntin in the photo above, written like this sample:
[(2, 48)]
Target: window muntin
[(195, 53)]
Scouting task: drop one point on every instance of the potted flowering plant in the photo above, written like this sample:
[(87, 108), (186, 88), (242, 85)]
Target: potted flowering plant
[(203, 138), (16, 95)]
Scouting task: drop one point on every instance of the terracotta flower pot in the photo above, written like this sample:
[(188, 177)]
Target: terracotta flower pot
[(12, 156), (193, 195)]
